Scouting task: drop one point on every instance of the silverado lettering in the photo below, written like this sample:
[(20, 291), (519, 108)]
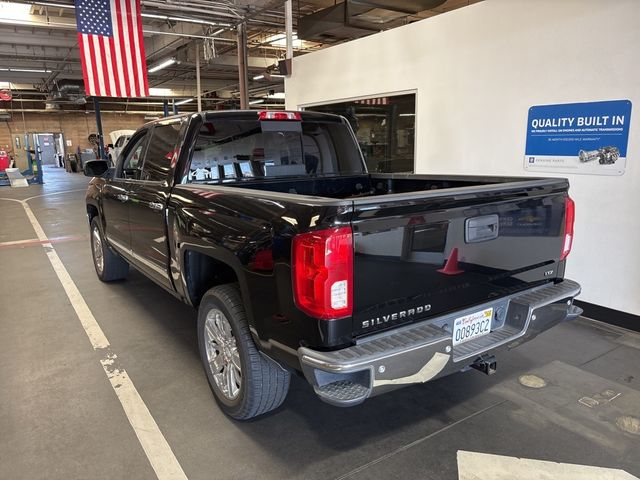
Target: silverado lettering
[(396, 316)]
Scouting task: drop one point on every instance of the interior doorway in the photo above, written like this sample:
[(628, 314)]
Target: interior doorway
[(51, 148), (384, 127)]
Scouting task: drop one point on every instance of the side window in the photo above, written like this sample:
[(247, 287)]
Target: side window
[(122, 139), (132, 163), (162, 152)]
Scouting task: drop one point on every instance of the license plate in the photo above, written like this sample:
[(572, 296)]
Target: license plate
[(472, 326)]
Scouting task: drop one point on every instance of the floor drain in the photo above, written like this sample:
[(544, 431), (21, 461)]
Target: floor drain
[(629, 424), (532, 381)]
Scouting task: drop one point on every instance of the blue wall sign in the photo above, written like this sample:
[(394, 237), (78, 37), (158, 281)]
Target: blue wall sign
[(588, 138)]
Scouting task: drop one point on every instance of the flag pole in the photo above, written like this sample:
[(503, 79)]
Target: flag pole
[(96, 107)]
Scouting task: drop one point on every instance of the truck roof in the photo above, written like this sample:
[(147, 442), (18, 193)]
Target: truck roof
[(212, 114)]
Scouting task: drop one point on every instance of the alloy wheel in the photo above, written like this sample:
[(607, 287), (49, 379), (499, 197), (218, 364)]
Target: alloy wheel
[(223, 357), (98, 256)]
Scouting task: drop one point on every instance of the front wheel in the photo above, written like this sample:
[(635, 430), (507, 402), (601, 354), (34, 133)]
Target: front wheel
[(109, 266), (244, 382)]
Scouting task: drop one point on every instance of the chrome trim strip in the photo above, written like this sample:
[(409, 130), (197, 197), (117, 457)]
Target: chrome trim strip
[(128, 252)]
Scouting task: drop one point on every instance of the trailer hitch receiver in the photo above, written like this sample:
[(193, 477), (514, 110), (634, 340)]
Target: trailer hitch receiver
[(487, 364)]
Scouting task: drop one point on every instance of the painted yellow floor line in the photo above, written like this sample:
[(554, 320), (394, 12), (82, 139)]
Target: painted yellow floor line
[(153, 442)]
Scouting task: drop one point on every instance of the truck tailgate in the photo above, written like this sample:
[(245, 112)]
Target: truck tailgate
[(508, 237)]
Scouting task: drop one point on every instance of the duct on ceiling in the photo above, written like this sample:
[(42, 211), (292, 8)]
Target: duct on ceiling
[(358, 18), (66, 91)]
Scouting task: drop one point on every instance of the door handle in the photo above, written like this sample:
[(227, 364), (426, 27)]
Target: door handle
[(122, 197), (479, 229), (155, 206)]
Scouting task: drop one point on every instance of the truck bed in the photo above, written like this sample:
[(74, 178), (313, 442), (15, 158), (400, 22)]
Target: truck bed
[(367, 185), (506, 234)]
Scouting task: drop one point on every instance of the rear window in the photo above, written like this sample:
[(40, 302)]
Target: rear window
[(162, 151), (231, 149)]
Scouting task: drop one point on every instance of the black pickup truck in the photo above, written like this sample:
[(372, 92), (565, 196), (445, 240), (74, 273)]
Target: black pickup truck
[(299, 260)]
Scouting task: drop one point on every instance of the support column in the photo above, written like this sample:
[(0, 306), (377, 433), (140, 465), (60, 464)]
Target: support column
[(165, 107), (288, 28), (175, 107), (96, 107), (242, 66), (198, 96)]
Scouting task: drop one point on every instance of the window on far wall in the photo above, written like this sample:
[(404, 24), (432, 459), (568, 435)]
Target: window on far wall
[(384, 127)]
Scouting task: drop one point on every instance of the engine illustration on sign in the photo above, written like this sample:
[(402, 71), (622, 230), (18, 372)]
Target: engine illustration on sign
[(604, 155)]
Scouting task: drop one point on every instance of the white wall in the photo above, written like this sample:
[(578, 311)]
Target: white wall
[(476, 71)]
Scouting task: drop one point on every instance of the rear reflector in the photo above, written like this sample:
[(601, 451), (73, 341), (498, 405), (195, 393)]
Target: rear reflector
[(323, 273), (271, 115), (569, 217)]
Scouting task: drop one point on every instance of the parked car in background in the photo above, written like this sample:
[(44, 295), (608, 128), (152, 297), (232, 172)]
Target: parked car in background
[(299, 259), (119, 139)]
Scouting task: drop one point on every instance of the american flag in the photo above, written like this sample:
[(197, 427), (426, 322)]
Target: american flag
[(112, 48)]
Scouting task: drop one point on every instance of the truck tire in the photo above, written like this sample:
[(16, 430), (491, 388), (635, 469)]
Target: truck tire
[(244, 382), (109, 266)]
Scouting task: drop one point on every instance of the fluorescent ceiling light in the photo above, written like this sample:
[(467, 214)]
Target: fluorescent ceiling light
[(255, 102), (163, 64), (12, 13), (276, 75), (26, 70), (182, 102), (407, 115), (160, 92), (218, 32), (154, 15), (258, 77), (276, 95), (280, 40), (54, 5)]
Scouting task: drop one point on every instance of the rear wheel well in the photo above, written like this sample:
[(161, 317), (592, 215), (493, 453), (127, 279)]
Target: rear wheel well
[(203, 272)]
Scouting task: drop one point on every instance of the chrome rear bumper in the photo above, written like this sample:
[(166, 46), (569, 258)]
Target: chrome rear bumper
[(424, 351)]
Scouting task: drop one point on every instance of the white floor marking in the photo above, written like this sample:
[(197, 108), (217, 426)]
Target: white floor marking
[(485, 466), (18, 242), (55, 193), (155, 446)]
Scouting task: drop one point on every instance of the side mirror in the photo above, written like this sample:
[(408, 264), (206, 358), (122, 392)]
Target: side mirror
[(110, 145), (95, 168)]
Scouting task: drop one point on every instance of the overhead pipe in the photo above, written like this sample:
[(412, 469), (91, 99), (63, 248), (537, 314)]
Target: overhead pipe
[(72, 26), (75, 112), (184, 8), (198, 96)]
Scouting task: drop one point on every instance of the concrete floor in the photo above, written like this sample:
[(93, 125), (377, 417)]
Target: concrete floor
[(60, 417)]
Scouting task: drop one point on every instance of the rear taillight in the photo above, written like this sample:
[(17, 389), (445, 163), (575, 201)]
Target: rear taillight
[(569, 217), (323, 272), (272, 115)]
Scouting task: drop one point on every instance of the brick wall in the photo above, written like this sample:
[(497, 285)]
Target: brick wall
[(74, 126)]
